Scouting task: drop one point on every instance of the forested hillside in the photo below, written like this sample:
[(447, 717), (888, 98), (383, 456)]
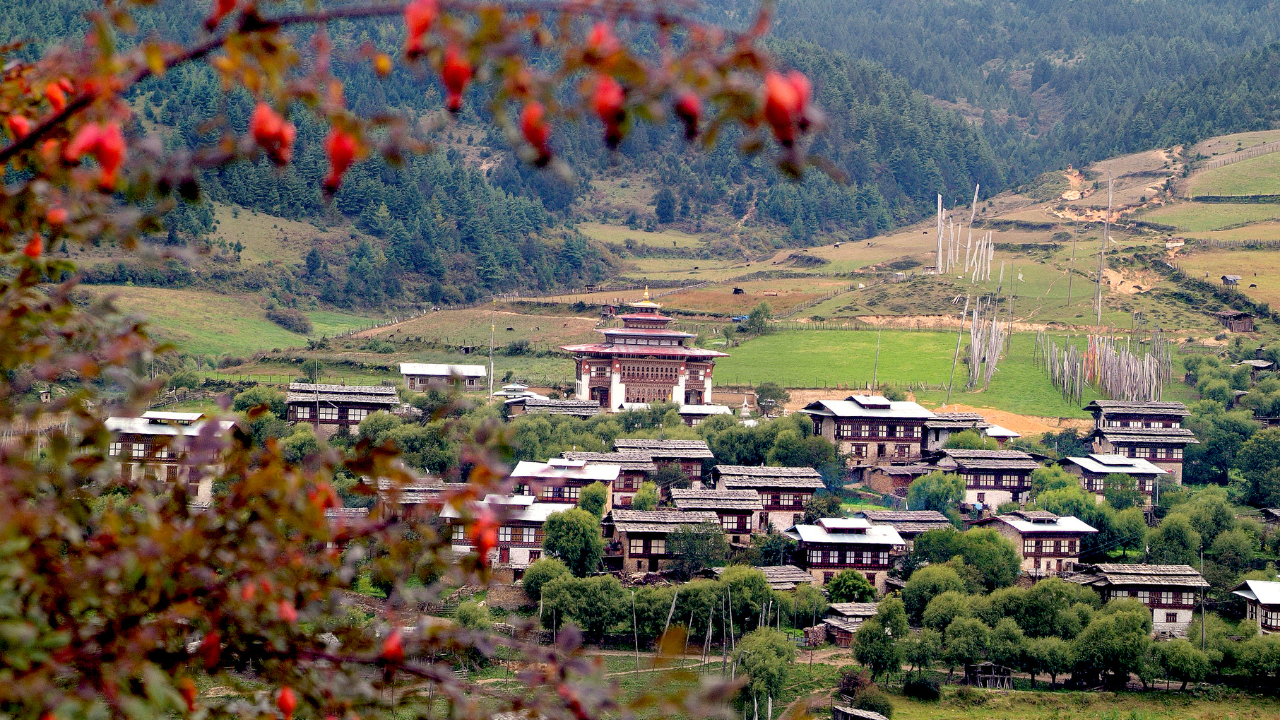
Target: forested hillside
[(1053, 82)]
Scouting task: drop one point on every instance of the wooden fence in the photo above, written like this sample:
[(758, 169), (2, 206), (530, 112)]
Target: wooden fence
[(1235, 157)]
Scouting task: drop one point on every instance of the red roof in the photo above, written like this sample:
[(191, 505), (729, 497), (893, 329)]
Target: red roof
[(660, 332), (642, 350)]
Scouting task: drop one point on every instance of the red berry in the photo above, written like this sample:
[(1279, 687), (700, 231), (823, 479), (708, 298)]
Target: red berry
[(601, 42), (689, 110), (287, 701), (34, 248), (272, 132), (188, 690), (287, 611), (219, 10), (456, 73), (56, 96), (609, 101), (419, 16), (484, 533), (533, 125), (19, 126), (784, 105), (393, 647), (341, 149), (56, 216)]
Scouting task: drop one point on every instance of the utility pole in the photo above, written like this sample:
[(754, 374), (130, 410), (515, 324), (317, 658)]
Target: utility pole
[(492, 326), (875, 368)]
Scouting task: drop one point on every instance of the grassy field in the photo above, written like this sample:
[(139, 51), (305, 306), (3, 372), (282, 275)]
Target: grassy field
[(471, 326), (1205, 217), (267, 238), (1226, 144), (825, 358), (620, 234), (781, 295), (211, 324), (1256, 176), (1089, 706), (1258, 267)]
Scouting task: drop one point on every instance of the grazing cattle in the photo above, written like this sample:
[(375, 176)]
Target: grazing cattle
[(1253, 285)]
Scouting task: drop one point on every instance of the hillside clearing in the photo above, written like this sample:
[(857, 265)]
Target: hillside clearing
[(1255, 176)]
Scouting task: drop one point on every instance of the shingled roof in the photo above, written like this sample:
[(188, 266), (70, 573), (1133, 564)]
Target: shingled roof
[(659, 521), (764, 476), (547, 406), (1129, 407), (1138, 435), (716, 499), (956, 421), (641, 461), (682, 449), (990, 459), (780, 577), (1121, 575), (908, 523), (368, 394)]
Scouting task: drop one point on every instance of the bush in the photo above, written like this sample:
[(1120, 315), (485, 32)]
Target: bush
[(853, 681), (921, 689), (875, 700), (290, 320), (966, 695)]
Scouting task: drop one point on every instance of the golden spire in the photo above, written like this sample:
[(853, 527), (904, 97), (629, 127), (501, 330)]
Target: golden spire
[(646, 292)]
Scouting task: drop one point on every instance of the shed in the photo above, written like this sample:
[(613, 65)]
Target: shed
[(1231, 280), (989, 675), (1234, 320), (844, 712)]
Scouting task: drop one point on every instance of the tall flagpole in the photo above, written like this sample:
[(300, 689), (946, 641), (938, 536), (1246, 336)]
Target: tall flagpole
[(493, 309)]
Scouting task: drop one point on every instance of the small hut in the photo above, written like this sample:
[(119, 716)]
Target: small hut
[(1231, 280), (988, 675), (1234, 320)]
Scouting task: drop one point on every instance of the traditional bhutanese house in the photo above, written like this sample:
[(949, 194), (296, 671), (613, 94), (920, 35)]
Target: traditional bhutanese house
[(894, 479), (636, 540), (783, 490), (870, 429), (737, 509), (1149, 430), (345, 517), (1094, 469), (519, 536), (169, 446), (561, 481), (1262, 603), (421, 498), (857, 612), (1256, 366), (841, 630), (424, 376), (1271, 516), (1047, 544), (780, 577), (634, 468), (910, 524), (835, 544), (688, 454), (1170, 591), (531, 404), (643, 361), (991, 477), (338, 405), (939, 428), (694, 415), (1234, 320)]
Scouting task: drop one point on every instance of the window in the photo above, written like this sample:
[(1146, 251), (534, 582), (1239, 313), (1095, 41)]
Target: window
[(815, 557), (1171, 617), (982, 497), (1176, 453), (459, 533), (860, 450), (817, 427), (902, 450), (328, 413), (1028, 547), (139, 450), (535, 555), (1177, 597), (162, 453), (658, 547), (355, 415), (504, 534), (115, 449), (788, 499), (302, 412), (1162, 453), (846, 430), (637, 546), (884, 430), (530, 535)]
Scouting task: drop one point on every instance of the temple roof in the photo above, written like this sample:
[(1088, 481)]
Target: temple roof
[(677, 351)]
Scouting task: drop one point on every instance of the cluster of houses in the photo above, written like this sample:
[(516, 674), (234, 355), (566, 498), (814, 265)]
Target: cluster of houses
[(886, 443)]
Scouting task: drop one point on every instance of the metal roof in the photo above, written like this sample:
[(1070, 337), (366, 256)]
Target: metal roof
[(705, 410), (443, 370), (182, 418), (1266, 592), (1058, 525), (995, 431), (874, 535), (716, 499), (145, 426), (1105, 464), (514, 508), (868, 406), (566, 469), (660, 521)]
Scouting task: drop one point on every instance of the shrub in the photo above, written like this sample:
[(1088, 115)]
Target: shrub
[(921, 689), (290, 320), (875, 700)]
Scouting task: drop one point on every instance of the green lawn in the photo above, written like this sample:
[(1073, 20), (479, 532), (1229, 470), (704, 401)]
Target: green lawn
[(1205, 217), (1016, 705), (1256, 176), (825, 358)]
